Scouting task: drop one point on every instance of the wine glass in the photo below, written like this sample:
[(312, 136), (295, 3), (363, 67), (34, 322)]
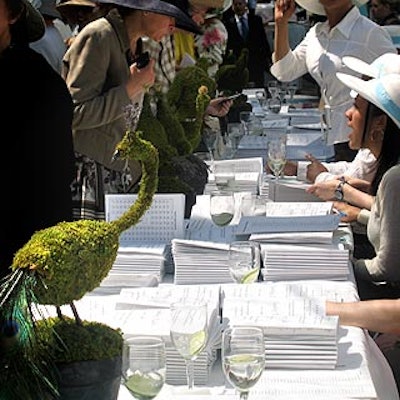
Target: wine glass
[(260, 96), (276, 154), (222, 207), (274, 105), (189, 333), (243, 357), (245, 117), (209, 139), (235, 132), (273, 88), (244, 261), (145, 366), (291, 89)]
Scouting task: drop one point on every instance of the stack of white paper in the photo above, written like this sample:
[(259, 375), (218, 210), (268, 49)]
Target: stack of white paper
[(247, 172), (302, 261), (294, 237), (133, 262), (297, 333), (243, 182), (286, 188), (200, 262), (145, 311), (291, 217), (144, 248)]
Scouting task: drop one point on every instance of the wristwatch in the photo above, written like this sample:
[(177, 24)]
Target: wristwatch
[(339, 195)]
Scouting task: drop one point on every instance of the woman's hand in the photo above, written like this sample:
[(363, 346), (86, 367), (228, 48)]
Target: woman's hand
[(315, 168), (324, 190), (140, 79), (219, 107), (284, 10), (350, 213)]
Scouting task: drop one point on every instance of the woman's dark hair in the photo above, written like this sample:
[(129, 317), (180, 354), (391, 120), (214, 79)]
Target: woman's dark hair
[(18, 30), (390, 152)]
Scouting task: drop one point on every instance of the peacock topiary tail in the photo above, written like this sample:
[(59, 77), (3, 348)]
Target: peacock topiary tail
[(56, 266)]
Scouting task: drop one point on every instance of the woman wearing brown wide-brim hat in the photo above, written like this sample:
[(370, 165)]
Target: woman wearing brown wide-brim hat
[(103, 78)]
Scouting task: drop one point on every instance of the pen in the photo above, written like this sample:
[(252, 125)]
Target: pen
[(341, 213)]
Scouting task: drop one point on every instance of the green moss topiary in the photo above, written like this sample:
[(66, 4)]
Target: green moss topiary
[(90, 341), (56, 266)]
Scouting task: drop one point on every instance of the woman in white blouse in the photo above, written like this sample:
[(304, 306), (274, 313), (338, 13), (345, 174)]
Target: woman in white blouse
[(344, 33)]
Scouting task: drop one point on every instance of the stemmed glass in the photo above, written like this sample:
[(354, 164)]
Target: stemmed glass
[(209, 139), (291, 89), (235, 132), (222, 207), (144, 366), (189, 333), (244, 261), (260, 95), (243, 357), (273, 89), (245, 117), (276, 154)]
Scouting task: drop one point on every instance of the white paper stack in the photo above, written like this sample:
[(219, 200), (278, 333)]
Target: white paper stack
[(297, 333), (286, 188), (134, 266), (302, 261), (144, 249), (200, 262), (243, 182), (145, 311), (247, 171)]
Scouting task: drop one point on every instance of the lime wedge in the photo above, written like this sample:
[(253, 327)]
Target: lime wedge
[(145, 386), (250, 277), (197, 342)]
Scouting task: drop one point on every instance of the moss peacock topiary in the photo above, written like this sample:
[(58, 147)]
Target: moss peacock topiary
[(56, 266)]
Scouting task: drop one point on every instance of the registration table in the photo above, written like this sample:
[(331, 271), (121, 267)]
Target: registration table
[(361, 371)]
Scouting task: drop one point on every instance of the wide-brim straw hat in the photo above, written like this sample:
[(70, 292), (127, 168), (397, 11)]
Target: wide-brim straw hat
[(173, 8), (315, 7), (76, 3), (388, 63), (216, 11), (383, 92), (34, 21), (208, 3)]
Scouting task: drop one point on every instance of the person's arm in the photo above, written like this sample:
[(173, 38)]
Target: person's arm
[(351, 213), (326, 191), (374, 315), (284, 9)]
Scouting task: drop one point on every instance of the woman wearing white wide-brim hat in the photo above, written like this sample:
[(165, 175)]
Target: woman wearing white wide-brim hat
[(346, 32)]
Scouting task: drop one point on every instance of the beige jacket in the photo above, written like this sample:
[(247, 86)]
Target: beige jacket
[(96, 70)]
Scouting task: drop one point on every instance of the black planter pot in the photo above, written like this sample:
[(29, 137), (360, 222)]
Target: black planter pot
[(90, 380)]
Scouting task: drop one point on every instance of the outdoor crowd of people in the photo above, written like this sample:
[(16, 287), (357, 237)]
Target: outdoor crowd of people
[(74, 66)]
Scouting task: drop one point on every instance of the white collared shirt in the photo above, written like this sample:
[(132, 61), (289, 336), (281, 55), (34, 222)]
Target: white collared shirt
[(363, 167), (239, 22), (320, 54)]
